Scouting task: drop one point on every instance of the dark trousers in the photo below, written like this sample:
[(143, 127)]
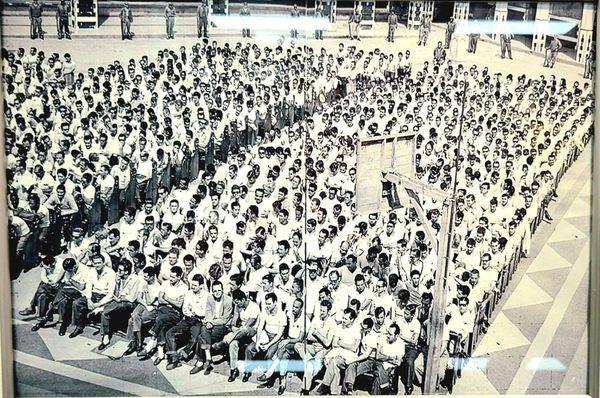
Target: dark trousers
[(125, 29), (182, 332), (44, 295), (64, 303), (36, 28), (81, 310), (369, 365), (112, 311), (63, 27), (410, 355), (252, 352), (139, 317), (208, 337), (505, 47), (448, 40), (472, 43), (166, 318), (203, 27), (170, 27), (245, 32)]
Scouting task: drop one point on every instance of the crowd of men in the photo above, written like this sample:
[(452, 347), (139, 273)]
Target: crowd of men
[(263, 257)]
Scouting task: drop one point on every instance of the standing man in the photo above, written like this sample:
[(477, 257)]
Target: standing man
[(473, 37), (392, 23), (35, 18), (170, 19), (505, 45), (354, 23), (319, 14), (294, 14), (62, 19), (588, 72), (552, 52), (450, 27), (68, 70), (424, 29), (202, 18), (126, 18), (245, 12)]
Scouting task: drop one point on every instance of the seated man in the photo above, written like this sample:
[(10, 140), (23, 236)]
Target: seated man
[(271, 327), (365, 362), (243, 329), (168, 314), (285, 348), (50, 278), (344, 350), (219, 311), (194, 311), (389, 356), (99, 290), (318, 342), (144, 312), (122, 304)]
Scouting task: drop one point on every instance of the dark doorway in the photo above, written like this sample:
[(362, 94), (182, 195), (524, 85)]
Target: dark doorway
[(442, 11)]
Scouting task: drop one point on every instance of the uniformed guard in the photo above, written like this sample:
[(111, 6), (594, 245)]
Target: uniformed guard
[(424, 29), (473, 37), (392, 23), (126, 17), (35, 17), (552, 52), (588, 72), (450, 28), (245, 12), (505, 45), (170, 19), (319, 14), (295, 13), (202, 18), (63, 11), (354, 23)]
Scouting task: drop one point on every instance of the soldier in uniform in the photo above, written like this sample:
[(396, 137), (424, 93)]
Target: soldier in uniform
[(450, 31), (294, 14), (62, 20), (202, 17), (126, 18), (505, 45), (35, 17), (392, 23), (552, 52), (588, 72), (473, 37), (319, 14), (424, 29), (245, 12), (354, 23), (170, 19)]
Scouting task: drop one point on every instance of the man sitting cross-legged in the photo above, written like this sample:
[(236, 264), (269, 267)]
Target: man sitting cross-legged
[(168, 314), (318, 343), (122, 305), (285, 348), (50, 279), (219, 312), (144, 312), (271, 327), (243, 329), (194, 311)]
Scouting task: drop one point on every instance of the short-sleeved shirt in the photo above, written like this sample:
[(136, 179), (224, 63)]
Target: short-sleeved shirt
[(174, 292)]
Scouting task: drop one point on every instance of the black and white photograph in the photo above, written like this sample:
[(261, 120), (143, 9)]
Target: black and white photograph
[(333, 197)]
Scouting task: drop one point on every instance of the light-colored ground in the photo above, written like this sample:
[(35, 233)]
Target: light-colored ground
[(542, 315)]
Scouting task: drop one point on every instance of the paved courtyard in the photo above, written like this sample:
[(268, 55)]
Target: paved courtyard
[(537, 342)]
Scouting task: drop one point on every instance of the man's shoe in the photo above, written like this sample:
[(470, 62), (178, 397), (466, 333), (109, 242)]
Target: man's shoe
[(131, 348), (209, 368), (158, 360), (323, 390), (303, 392), (197, 369), (69, 37), (174, 365), (27, 311), (78, 330), (246, 377), (103, 346), (262, 378), (409, 391), (268, 384), (233, 374), (38, 326)]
